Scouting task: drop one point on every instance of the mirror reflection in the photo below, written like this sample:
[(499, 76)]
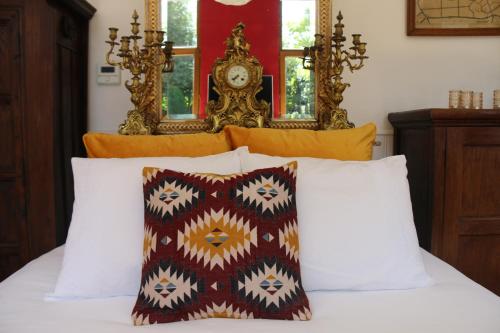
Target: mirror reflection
[(298, 26), (179, 20), (277, 30)]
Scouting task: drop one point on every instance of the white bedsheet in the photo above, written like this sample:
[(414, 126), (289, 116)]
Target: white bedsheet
[(454, 304)]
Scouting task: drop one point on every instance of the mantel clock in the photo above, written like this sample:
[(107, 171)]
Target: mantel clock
[(237, 80)]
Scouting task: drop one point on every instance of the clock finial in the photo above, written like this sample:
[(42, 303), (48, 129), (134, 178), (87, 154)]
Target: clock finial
[(237, 44)]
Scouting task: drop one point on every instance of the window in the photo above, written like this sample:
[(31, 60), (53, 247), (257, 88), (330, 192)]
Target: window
[(179, 20), (298, 26)]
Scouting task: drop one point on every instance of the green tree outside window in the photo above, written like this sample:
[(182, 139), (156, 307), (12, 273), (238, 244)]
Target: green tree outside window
[(179, 23)]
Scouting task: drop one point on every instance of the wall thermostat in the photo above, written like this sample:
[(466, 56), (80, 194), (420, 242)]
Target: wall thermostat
[(108, 75)]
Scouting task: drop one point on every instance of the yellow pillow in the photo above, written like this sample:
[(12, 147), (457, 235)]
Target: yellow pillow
[(188, 145), (350, 144)]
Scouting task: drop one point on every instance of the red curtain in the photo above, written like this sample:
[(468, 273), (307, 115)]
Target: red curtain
[(262, 20)]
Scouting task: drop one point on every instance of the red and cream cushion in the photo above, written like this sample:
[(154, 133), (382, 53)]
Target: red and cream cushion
[(220, 246)]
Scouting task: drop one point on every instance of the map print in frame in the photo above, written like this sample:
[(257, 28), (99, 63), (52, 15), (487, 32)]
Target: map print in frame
[(453, 17)]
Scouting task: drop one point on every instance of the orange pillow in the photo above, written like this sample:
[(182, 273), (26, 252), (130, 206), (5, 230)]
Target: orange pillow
[(187, 145), (351, 144)]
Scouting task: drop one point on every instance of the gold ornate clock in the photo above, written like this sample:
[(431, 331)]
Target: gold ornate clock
[(237, 79)]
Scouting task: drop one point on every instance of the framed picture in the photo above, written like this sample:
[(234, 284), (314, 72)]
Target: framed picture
[(453, 17)]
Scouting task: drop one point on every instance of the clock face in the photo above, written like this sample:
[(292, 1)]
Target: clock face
[(237, 76)]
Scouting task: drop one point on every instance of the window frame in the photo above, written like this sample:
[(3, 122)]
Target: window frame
[(196, 77), (283, 55), (183, 51)]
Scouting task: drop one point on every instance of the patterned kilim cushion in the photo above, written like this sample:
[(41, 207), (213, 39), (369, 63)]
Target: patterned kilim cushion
[(220, 247)]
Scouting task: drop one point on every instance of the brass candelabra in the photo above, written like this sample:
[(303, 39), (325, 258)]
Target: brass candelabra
[(142, 62), (328, 58)]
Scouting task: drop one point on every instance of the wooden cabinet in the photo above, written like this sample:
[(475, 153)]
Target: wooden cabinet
[(14, 249), (454, 174), (43, 64)]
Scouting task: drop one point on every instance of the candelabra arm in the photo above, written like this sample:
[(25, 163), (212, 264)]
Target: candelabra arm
[(110, 53), (113, 63), (143, 63), (349, 64), (358, 66), (348, 54)]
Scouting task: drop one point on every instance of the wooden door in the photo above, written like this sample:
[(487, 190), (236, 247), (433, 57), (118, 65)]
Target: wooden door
[(13, 238), (471, 230)]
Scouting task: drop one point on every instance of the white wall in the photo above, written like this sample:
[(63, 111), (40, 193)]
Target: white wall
[(403, 73), (108, 105)]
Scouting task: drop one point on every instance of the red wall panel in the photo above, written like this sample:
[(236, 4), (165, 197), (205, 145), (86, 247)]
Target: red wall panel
[(262, 20)]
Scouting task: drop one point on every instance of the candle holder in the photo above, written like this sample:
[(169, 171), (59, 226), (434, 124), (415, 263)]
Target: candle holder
[(329, 56), (496, 99), (142, 62)]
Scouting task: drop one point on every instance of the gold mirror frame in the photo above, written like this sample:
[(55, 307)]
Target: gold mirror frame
[(322, 78)]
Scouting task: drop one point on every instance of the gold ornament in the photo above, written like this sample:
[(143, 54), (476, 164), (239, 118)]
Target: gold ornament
[(237, 78), (329, 57), (143, 64)]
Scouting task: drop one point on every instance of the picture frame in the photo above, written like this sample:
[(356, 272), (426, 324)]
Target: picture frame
[(464, 19)]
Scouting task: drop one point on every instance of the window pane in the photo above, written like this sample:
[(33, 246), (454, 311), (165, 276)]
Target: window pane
[(299, 90), (178, 19), (177, 97), (298, 23)]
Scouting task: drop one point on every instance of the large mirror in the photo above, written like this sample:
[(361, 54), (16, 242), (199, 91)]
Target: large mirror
[(277, 30)]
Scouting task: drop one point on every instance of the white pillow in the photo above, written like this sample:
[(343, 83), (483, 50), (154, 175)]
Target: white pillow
[(103, 253), (355, 220)]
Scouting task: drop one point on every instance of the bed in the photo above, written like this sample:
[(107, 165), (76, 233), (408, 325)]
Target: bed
[(362, 269), (209, 225), (450, 302), (453, 304)]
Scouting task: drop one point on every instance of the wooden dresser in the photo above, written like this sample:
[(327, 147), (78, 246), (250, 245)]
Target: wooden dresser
[(454, 174), (43, 98)]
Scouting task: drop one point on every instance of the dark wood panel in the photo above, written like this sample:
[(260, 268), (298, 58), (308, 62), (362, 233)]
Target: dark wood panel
[(8, 30), (9, 89), (10, 262), (479, 226), (463, 182), (9, 212), (481, 176), (437, 188), (7, 141), (39, 127), (14, 249), (478, 258), (445, 118), (65, 112), (471, 241), (42, 119), (418, 142), (70, 115)]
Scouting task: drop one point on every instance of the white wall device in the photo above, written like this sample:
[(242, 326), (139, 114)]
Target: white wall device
[(108, 75)]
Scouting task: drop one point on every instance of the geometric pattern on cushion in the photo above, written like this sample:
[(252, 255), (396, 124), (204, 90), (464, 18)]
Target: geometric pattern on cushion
[(220, 246)]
